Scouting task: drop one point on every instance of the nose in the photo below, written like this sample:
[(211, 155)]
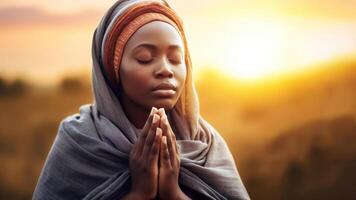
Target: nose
[(164, 69)]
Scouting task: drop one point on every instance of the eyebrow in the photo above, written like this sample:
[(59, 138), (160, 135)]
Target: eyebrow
[(153, 47)]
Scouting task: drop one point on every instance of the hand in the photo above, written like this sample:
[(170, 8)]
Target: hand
[(144, 159), (169, 161)]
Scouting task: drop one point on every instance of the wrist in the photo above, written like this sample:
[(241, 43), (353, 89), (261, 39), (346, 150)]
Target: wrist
[(135, 196)]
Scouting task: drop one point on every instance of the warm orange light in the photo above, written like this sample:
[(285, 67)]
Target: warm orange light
[(255, 51), (252, 48)]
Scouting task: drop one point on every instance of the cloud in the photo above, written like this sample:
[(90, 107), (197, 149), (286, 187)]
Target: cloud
[(35, 16)]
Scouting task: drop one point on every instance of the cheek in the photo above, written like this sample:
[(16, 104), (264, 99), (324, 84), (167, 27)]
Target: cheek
[(181, 75), (135, 81)]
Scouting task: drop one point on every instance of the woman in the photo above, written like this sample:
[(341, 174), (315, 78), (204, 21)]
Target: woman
[(123, 146)]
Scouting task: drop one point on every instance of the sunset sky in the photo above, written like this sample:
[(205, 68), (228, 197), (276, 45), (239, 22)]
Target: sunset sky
[(42, 39)]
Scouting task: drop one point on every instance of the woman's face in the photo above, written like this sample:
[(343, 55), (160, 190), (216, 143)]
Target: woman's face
[(152, 57)]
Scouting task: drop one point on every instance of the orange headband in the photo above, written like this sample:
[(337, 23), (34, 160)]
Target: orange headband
[(130, 29), (126, 26)]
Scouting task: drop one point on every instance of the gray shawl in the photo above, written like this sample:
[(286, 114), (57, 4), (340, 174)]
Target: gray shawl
[(89, 156)]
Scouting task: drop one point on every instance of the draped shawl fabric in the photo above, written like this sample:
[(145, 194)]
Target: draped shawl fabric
[(89, 158)]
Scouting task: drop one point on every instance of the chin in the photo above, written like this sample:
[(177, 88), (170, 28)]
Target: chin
[(166, 104)]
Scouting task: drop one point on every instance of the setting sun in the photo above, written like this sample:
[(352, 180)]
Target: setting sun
[(256, 50)]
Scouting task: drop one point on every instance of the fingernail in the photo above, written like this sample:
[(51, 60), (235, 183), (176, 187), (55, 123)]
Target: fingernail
[(152, 109), (164, 139)]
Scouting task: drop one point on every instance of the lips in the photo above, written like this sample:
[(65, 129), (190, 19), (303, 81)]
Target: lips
[(165, 86), (164, 90)]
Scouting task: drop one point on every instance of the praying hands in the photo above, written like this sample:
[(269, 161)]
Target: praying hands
[(154, 161)]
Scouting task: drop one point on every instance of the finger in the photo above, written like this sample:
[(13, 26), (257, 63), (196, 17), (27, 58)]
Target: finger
[(161, 114), (169, 125), (150, 137), (144, 131), (148, 123), (173, 137), (174, 140), (171, 140), (164, 154), (170, 144), (177, 157), (153, 157)]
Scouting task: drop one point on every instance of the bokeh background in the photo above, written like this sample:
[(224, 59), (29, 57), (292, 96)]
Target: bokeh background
[(276, 78)]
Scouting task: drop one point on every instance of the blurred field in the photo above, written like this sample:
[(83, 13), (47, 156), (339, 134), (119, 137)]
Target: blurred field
[(292, 137)]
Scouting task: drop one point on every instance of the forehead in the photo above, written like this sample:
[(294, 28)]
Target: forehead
[(157, 33)]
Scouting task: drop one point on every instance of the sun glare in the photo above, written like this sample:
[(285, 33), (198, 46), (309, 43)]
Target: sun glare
[(255, 50)]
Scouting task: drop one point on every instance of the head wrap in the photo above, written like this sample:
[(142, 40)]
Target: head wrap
[(89, 157), (124, 19), (124, 27)]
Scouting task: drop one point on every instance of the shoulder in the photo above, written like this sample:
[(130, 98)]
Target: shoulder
[(208, 128), (77, 119), (81, 123)]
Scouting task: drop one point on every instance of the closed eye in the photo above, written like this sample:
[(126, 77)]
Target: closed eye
[(144, 61), (175, 58), (175, 61)]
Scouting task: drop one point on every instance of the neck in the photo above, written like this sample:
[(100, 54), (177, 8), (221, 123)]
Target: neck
[(136, 114)]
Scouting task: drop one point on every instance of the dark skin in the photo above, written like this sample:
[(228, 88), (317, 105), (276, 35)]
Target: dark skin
[(154, 54), (155, 156)]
